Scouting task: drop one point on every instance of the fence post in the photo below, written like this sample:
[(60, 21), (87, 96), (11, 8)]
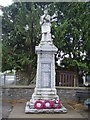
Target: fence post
[(74, 81)]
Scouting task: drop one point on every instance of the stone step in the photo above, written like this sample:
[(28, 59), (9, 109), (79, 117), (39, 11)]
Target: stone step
[(45, 97)]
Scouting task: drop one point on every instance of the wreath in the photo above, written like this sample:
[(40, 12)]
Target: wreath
[(47, 104), (56, 104), (38, 104)]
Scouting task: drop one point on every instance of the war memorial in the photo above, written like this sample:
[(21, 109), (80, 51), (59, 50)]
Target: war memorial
[(45, 98)]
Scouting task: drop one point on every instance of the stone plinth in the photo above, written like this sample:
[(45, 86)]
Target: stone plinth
[(45, 79), (29, 109)]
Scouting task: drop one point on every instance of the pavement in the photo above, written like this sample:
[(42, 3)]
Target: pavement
[(6, 109), (18, 112)]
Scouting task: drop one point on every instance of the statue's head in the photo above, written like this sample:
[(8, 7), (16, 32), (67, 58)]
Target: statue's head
[(45, 11)]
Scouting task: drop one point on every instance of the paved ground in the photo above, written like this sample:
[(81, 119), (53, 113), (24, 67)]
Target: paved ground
[(18, 112), (6, 109)]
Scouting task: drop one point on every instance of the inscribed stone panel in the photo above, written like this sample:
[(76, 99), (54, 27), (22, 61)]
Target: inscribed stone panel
[(45, 75)]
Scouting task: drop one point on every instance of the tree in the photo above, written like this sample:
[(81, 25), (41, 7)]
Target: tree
[(72, 34), (21, 33)]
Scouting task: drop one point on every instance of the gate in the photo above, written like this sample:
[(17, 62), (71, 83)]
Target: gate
[(66, 78)]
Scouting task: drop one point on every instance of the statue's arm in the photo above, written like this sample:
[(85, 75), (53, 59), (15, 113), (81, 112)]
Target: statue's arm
[(41, 21), (54, 17), (45, 19)]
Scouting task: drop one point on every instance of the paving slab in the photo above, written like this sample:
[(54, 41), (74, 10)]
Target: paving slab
[(19, 112)]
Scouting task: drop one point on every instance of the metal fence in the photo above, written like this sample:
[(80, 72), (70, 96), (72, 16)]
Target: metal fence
[(66, 78)]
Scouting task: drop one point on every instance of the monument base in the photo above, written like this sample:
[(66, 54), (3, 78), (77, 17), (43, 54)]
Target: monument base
[(44, 94), (29, 109)]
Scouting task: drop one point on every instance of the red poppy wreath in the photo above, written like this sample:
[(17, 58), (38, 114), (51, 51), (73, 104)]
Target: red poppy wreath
[(56, 104), (47, 104), (38, 104)]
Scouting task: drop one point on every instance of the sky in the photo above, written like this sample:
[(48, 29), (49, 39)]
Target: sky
[(6, 2)]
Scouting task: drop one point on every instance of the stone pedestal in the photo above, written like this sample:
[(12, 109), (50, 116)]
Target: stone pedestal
[(45, 79)]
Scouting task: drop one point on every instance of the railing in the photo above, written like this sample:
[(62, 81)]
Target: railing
[(66, 78)]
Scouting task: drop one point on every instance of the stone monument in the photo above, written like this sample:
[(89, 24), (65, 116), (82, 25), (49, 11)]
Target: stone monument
[(45, 98)]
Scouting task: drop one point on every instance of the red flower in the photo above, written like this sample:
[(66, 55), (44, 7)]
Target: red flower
[(47, 104), (38, 104), (56, 104)]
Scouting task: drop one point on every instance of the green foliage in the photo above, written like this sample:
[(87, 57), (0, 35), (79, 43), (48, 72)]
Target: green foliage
[(21, 33), (72, 35), (20, 30)]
